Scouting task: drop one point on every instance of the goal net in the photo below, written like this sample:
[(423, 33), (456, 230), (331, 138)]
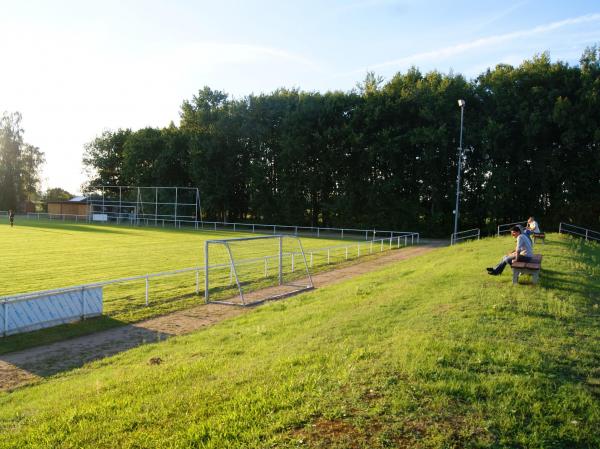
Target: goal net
[(158, 206), (245, 271)]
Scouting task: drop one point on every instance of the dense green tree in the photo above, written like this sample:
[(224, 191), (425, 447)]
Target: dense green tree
[(20, 165), (385, 154), (56, 194), (103, 158), (11, 141), (31, 160)]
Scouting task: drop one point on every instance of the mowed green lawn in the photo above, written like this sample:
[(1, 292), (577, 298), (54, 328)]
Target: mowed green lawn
[(42, 255), (428, 353), (46, 255)]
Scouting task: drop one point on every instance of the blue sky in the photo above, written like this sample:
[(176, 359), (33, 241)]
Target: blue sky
[(76, 68)]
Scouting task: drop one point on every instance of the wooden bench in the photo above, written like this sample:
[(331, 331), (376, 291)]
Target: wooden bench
[(533, 267), (539, 235)]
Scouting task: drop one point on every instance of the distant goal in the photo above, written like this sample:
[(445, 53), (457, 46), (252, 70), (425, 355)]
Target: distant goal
[(249, 270)]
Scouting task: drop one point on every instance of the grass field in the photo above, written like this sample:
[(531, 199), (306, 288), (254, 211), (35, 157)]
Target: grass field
[(49, 254), (428, 353), (41, 255)]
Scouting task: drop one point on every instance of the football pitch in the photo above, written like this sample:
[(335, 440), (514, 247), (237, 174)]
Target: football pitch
[(42, 255)]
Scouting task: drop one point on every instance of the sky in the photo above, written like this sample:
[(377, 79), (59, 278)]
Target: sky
[(77, 68)]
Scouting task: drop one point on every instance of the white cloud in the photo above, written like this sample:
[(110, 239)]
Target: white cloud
[(482, 24), (446, 52)]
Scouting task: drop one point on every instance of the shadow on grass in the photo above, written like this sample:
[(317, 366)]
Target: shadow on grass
[(61, 353), (51, 227), (19, 342), (583, 247), (557, 280)]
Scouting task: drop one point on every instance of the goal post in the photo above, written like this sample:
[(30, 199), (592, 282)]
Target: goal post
[(144, 205), (249, 270)]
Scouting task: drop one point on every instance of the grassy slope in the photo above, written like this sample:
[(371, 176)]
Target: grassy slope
[(430, 353)]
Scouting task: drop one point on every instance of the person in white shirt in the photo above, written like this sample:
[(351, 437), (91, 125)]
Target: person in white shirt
[(522, 253), (532, 227)]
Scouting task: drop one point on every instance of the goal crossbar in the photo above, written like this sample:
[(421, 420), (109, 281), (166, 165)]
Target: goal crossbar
[(248, 263)]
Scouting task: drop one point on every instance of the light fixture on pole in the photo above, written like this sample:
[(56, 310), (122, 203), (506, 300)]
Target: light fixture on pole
[(461, 104)]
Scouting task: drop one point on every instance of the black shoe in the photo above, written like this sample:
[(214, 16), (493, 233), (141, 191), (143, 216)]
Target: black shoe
[(493, 273), (489, 269)]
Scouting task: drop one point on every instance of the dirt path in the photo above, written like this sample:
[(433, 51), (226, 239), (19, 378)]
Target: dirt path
[(19, 368)]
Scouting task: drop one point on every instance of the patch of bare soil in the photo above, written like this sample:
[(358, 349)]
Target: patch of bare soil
[(325, 433), (456, 431), (23, 367)]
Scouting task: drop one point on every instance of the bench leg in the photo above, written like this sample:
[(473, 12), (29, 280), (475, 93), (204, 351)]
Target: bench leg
[(515, 276), (535, 277)]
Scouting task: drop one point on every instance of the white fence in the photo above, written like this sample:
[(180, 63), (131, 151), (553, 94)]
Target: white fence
[(59, 217), (88, 301), (588, 234), (300, 231), (30, 312), (465, 235), (506, 227)]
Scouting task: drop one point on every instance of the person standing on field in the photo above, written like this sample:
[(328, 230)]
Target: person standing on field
[(11, 217)]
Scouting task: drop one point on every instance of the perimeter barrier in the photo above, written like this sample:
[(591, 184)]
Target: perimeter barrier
[(578, 231), (255, 228), (465, 235), (506, 227)]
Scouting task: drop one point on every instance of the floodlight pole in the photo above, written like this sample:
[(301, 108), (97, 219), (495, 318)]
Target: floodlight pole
[(461, 104)]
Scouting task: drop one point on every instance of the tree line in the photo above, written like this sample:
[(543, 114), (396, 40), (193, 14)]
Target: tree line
[(383, 155), (20, 165)]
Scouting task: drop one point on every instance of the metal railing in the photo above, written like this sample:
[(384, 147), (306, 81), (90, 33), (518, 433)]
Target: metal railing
[(465, 235), (147, 277), (306, 231), (326, 256), (5, 301), (59, 217), (588, 234), (506, 227)]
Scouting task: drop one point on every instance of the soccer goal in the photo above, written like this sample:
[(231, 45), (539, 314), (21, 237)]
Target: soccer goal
[(136, 205), (245, 271)]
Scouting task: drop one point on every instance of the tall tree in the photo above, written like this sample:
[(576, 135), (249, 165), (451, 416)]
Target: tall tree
[(31, 159), (57, 194), (103, 158), (20, 164), (11, 140)]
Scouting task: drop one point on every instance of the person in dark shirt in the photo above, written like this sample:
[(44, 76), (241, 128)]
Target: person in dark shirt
[(11, 217)]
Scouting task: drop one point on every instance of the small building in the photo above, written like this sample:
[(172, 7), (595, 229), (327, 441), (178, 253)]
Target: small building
[(75, 206)]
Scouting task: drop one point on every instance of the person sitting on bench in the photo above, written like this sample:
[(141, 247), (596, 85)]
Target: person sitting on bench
[(532, 227), (523, 252)]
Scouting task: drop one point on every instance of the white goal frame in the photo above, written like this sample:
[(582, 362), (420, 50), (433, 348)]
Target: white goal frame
[(145, 205), (270, 293)]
